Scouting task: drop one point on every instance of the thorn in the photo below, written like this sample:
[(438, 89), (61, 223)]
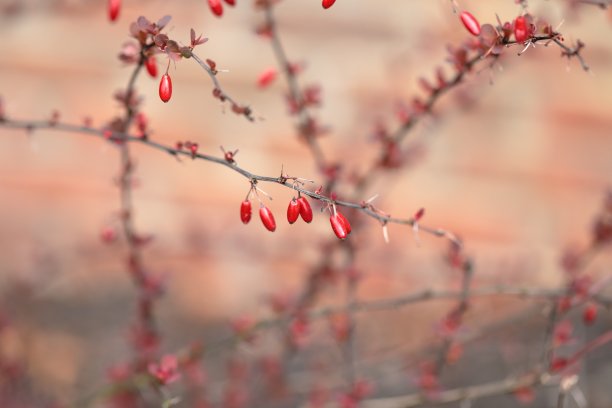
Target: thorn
[(385, 233)]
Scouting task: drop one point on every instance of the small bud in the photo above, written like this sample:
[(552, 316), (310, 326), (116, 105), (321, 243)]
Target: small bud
[(558, 364), (193, 148), (166, 371), (419, 214), (108, 235)]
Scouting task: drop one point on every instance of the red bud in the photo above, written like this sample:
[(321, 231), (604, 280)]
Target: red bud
[(558, 364)]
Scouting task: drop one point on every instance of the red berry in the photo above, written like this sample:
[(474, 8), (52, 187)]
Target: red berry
[(267, 218), (113, 9), (558, 364), (589, 314), (231, 2), (266, 77), (521, 29), (151, 66), (165, 88), (328, 3), (245, 211), (338, 226), (108, 235), (293, 211), (470, 23), (305, 209), (347, 225), (216, 7)]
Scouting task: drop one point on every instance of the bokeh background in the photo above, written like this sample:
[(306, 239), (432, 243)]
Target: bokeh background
[(516, 161)]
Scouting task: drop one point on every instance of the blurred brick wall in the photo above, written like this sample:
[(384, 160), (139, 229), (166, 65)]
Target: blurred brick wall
[(517, 173)]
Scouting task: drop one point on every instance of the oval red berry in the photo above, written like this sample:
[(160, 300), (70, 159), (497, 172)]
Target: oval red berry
[(216, 7), (113, 9), (165, 88), (590, 314), (266, 77), (470, 23), (338, 226), (231, 2), (293, 211), (328, 3), (267, 218), (305, 209), (521, 32), (151, 66), (345, 222), (245, 211)]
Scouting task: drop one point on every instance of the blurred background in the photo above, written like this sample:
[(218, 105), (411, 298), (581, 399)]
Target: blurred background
[(516, 161)]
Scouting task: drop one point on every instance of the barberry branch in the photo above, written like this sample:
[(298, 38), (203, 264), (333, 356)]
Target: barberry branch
[(493, 388), (145, 326), (119, 137), (533, 378), (463, 65), (396, 303), (603, 4), (306, 124), (220, 94)]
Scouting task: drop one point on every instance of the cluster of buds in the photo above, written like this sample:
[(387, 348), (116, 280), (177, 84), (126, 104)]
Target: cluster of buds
[(192, 147)]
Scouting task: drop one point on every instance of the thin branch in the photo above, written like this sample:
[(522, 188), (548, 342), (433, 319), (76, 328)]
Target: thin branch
[(219, 93), (398, 135), (305, 119), (281, 180), (506, 386)]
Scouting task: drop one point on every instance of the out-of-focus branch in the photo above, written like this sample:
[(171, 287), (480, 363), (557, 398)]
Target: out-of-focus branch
[(506, 386), (305, 122)]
